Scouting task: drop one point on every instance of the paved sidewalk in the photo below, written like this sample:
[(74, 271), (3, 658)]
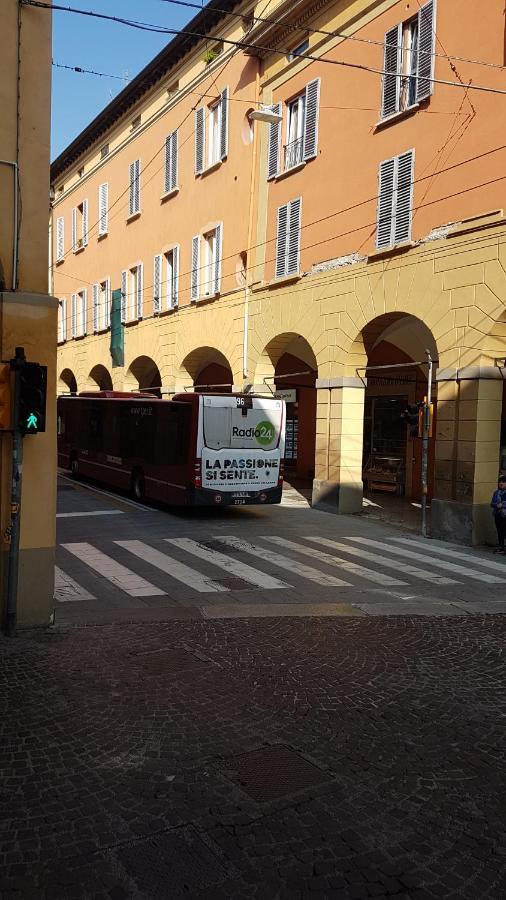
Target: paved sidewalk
[(271, 758)]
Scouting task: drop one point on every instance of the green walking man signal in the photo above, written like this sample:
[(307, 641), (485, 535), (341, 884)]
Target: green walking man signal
[(32, 422)]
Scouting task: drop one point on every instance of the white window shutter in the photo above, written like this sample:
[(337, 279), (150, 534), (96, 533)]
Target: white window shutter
[(386, 192), (103, 208), (60, 321), (168, 165), (175, 276), (157, 283), (217, 262), (391, 75), (174, 173), (281, 241), (135, 187), (107, 317), (224, 124), (140, 290), (73, 315), (195, 274), (124, 292), (311, 119), (85, 223), (96, 301), (426, 47), (294, 222), (74, 229), (274, 140), (199, 139), (64, 318), (60, 239), (84, 311), (404, 197)]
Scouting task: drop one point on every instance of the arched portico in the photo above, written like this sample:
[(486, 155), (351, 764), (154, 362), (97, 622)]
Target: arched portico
[(143, 374), (100, 379), (205, 367), (67, 383)]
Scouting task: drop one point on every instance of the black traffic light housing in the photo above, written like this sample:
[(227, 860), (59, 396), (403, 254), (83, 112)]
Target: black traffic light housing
[(31, 416), (411, 416)]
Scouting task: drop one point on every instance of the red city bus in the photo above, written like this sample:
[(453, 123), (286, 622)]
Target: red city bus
[(193, 450)]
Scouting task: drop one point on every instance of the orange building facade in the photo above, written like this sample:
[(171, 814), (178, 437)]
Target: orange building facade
[(307, 209)]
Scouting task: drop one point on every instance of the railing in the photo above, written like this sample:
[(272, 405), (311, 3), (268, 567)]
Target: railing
[(293, 153)]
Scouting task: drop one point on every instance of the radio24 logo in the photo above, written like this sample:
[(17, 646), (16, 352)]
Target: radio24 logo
[(264, 433)]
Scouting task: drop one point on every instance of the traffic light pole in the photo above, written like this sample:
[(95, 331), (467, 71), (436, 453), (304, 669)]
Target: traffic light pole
[(14, 528), (425, 445)]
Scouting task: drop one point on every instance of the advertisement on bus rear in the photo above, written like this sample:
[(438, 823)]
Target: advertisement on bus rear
[(244, 470)]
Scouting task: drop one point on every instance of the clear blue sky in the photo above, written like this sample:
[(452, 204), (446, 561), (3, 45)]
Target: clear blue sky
[(105, 47)]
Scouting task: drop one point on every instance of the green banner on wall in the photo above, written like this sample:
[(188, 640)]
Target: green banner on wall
[(117, 331)]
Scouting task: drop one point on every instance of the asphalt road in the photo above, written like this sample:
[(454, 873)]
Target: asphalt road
[(122, 561)]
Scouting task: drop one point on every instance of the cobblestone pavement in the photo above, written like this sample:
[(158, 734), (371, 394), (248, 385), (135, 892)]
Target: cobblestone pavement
[(280, 758)]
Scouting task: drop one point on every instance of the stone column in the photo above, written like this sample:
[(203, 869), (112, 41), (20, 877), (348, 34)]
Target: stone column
[(467, 453), (338, 486)]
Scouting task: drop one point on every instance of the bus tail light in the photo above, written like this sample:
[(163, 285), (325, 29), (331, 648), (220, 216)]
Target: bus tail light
[(281, 472), (262, 497), (197, 478)]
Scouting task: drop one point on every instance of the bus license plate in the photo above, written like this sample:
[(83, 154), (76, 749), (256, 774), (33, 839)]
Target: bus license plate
[(239, 502)]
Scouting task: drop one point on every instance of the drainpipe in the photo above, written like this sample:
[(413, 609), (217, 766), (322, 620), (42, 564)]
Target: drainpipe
[(247, 287), (15, 172)]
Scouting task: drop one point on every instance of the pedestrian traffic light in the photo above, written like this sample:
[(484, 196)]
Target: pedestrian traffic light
[(32, 398), (5, 395), (413, 417)]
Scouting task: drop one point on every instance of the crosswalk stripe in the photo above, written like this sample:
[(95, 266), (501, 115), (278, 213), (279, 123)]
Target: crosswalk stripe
[(234, 566), (113, 571), (354, 568), (455, 554), (283, 562), (403, 567), (430, 560), (67, 590), (173, 567)]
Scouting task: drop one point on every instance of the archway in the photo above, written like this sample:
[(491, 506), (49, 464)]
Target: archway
[(67, 382), (288, 364), (101, 378), (143, 375), (392, 455), (205, 368)]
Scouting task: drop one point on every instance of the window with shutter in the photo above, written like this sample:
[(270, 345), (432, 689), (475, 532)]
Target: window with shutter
[(60, 239), (82, 313), (103, 209), (274, 142), (73, 315), (288, 238), (124, 292), (60, 321), (95, 301), (218, 238), (172, 263), (157, 283), (395, 200), (409, 62), (170, 168), (199, 140), (135, 187), (64, 319), (312, 106), (195, 273), (107, 298), (224, 124)]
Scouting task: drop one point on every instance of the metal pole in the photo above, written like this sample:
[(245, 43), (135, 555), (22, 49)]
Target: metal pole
[(14, 528), (425, 445)]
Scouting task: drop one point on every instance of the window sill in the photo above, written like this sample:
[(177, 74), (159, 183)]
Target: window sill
[(276, 282), (390, 251), (212, 168), (59, 262), (206, 298), (165, 312), (79, 250), (131, 322), (102, 330), (169, 194), (79, 337), (102, 236), (394, 117), (290, 171), (134, 216)]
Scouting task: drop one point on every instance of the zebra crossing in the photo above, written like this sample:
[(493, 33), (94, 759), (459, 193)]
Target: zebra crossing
[(224, 563)]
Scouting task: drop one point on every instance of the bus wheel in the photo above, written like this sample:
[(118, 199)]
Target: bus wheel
[(74, 467), (138, 485)]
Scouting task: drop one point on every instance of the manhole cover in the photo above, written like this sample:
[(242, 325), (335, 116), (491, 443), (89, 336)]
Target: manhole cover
[(271, 773), (159, 662), (172, 864)]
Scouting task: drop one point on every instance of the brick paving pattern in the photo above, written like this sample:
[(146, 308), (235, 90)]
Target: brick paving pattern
[(280, 758)]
